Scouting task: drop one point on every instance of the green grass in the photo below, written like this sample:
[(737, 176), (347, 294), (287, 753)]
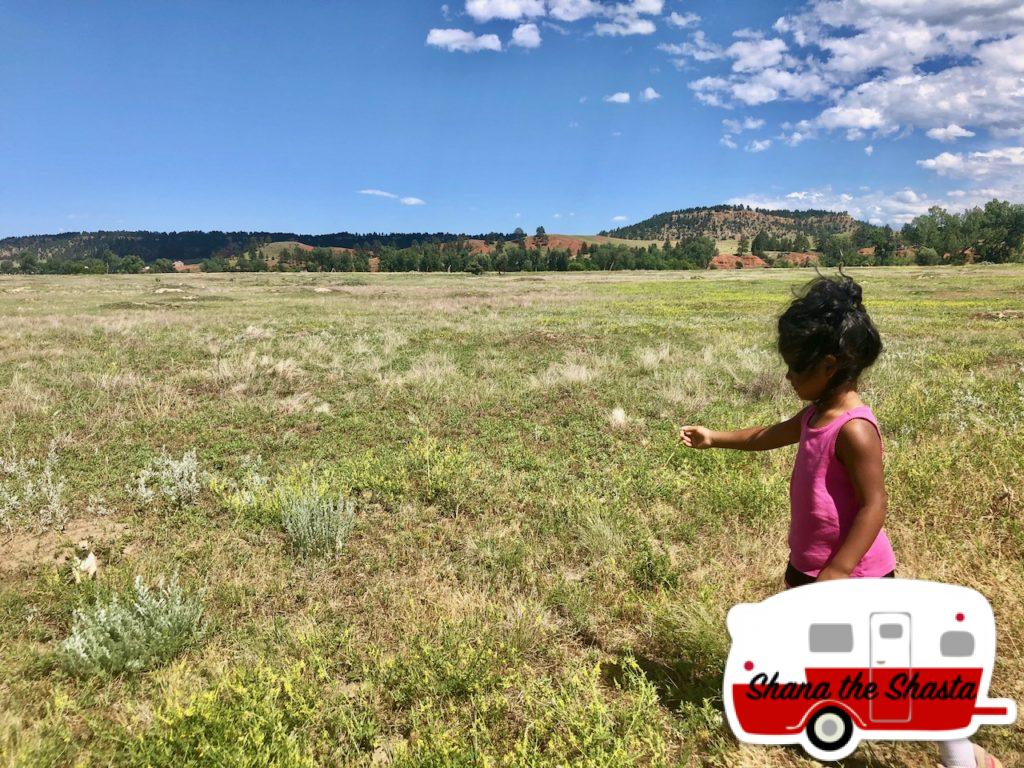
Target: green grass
[(527, 581)]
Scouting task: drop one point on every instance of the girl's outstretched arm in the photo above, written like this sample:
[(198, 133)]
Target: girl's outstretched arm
[(750, 439), (859, 448)]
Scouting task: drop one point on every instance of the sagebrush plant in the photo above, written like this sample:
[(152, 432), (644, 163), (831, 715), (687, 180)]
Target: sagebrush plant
[(317, 522), (129, 633), (177, 482), (32, 494)]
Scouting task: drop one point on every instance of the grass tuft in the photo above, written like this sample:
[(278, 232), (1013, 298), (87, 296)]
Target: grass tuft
[(250, 718)]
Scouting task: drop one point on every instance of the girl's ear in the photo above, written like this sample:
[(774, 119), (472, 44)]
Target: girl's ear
[(829, 363)]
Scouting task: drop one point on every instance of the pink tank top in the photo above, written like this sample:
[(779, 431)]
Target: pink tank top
[(823, 503)]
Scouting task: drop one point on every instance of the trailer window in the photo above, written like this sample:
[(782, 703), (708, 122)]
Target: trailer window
[(957, 644), (831, 638), (890, 631)]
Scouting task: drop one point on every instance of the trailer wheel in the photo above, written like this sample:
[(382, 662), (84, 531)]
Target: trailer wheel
[(830, 729)]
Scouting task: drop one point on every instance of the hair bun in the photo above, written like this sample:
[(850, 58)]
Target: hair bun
[(853, 292)]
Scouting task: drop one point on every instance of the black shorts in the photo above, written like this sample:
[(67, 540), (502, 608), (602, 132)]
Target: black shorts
[(795, 578)]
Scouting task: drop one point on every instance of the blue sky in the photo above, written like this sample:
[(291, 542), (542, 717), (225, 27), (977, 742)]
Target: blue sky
[(482, 115)]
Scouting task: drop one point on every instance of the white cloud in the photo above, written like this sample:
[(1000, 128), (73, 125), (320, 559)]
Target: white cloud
[(748, 34), (462, 41), (880, 207), (727, 141), (707, 84), (885, 67), (753, 93), (555, 27), (795, 138), (526, 36), (801, 85), (997, 162), (758, 145), (897, 208), (699, 48), (392, 196), (650, 7), (1005, 54), (869, 150), (935, 100), (621, 26), (951, 132), (754, 55), (945, 164), (486, 10), (762, 87), (683, 20), (574, 10), (747, 124), (622, 97), (863, 118), (626, 18), (620, 218), (649, 94), (895, 46), (707, 90)]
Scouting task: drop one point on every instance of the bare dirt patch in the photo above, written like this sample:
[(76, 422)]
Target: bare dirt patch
[(25, 550), (1001, 314)]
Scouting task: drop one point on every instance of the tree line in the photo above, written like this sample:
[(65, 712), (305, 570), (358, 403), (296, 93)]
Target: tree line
[(992, 233), (512, 255), (103, 263)]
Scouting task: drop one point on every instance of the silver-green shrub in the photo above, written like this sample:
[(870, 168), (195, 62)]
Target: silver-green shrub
[(130, 633), (32, 493), (177, 482), (317, 524)]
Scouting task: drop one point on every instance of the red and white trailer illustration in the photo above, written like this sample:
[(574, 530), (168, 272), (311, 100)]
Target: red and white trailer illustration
[(828, 665)]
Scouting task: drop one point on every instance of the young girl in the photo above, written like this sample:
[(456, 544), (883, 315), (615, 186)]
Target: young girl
[(837, 489)]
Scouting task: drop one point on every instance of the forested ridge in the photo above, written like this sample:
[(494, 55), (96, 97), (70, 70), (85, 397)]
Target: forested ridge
[(992, 233), (728, 222), (194, 246)]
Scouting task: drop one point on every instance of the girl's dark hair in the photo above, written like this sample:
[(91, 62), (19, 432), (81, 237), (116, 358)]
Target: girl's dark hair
[(827, 317)]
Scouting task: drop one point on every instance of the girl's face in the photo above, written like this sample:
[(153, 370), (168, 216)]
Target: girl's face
[(811, 384)]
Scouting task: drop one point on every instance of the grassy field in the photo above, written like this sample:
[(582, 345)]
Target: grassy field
[(532, 576)]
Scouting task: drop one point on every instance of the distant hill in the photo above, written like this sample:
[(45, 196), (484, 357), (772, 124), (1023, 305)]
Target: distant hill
[(273, 250), (728, 222), (192, 247), (722, 223)]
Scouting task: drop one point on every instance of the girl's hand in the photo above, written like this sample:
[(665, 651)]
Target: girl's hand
[(831, 572), (696, 437)]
